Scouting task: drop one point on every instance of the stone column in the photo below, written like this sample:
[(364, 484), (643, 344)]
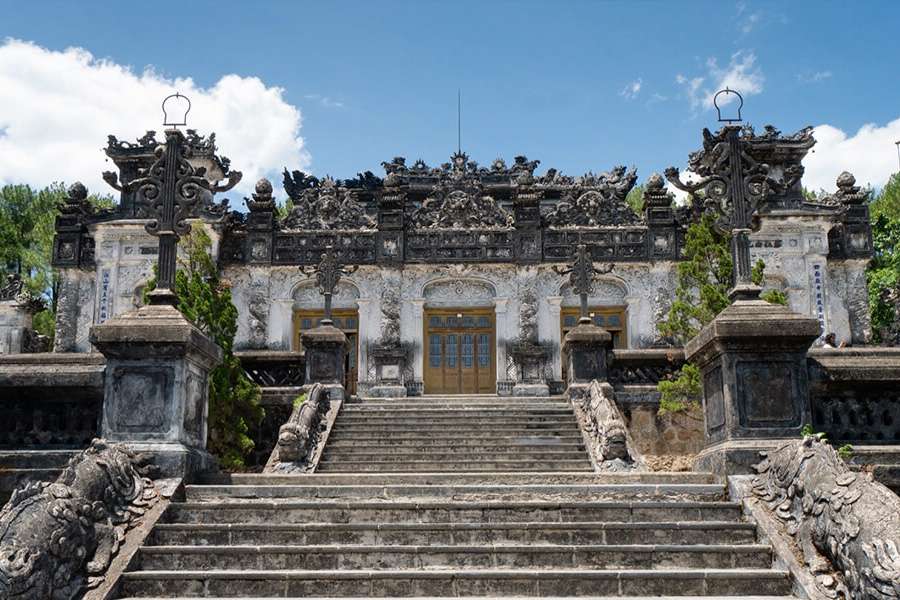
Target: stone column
[(326, 349), (417, 326), (156, 386), (501, 306), (554, 307), (15, 321), (752, 359)]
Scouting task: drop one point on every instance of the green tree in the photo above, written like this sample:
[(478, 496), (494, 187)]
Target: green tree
[(27, 227), (883, 274), (205, 300), (635, 199), (704, 277)]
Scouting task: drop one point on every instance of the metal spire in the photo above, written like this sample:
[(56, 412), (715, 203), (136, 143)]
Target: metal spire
[(458, 120)]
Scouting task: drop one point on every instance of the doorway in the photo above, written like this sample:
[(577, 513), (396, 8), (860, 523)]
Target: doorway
[(459, 351), (345, 319)]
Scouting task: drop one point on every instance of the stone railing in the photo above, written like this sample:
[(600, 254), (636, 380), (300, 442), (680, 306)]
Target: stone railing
[(644, 367), (273, 368), (845, 526), (50, 400), (604, 428), (302, 437), (855, 394)]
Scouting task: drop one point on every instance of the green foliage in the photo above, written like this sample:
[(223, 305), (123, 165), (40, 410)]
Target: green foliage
[(682, 392), (27, 228), (205, 300), (845, 451), (299, 400), (635, 199), (704, 278), (883, 274), (774, 297), (807, 430)]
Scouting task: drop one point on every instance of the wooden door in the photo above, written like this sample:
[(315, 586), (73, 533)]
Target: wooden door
[(460, 356), (345, 319)]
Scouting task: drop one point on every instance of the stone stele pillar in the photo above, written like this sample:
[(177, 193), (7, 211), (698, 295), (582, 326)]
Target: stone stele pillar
[(326, 349), (752, 359), (15, 321), (588, 348), (156, 386)]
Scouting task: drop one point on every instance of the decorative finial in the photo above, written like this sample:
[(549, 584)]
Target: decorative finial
[(175, 108), (727, 92)]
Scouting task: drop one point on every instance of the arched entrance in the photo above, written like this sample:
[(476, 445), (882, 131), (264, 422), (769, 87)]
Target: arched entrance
[(460, 338)]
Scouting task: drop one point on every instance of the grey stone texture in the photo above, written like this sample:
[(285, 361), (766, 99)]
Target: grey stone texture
[(752, 359), (846, 526), (58, 539), (156, 386)]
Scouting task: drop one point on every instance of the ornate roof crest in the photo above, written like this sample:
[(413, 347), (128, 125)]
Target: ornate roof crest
[(327, 206), (596, 201), (461, 209)]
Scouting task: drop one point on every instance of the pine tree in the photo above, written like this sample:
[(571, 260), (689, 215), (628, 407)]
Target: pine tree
[(205, 300)]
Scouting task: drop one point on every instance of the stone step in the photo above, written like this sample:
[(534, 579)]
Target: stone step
[(457, 582), (716, 597), (450, 511), (344, 557), (391, 446), (338, 434), (476, 427), (711, 532), (442, 407), (439, 454), (471, 466), (35, 459), (324, 479), (698, 492), (459, 418)]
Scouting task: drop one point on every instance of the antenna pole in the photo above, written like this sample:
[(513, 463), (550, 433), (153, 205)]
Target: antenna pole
[(458, 120)]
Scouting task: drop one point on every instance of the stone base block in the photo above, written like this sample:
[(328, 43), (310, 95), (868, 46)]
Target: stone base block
[(735, 457), (176, 460), (531, 389), (387, 391)]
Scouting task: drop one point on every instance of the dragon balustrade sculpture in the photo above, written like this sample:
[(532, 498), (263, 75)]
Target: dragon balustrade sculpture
[(57, 539), (298, 437), (842, 520)]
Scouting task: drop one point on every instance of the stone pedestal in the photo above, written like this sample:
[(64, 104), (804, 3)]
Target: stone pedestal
[(588, 349), (389, 362), (531, 361), (15, 321), (326, 350), (156, 387), (752, 359)]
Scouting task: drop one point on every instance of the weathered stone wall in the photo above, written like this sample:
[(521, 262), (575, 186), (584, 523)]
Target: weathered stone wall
[(670, 441)]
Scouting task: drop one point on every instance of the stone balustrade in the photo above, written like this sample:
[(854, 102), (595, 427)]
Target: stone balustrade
[(273, 368)]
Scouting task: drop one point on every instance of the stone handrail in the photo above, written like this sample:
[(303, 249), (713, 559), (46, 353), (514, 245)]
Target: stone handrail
[(273, 368), (854, 393), (301, 439), (58, 539), (606, 435), (847, 527), (644, 366)]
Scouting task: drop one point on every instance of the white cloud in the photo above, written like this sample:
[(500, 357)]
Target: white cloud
[(630, 91), (742, 74), (325, 101), (870, 154), (57, 108), (814, 77)]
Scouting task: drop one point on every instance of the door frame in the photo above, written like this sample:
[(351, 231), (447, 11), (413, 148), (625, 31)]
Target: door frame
[(465, 311)]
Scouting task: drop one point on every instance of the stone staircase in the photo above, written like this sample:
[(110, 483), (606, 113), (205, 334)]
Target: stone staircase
[(455, 497)]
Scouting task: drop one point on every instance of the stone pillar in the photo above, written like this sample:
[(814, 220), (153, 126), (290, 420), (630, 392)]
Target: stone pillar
[(752, 359), (554, 307), (156, 386), (326, 349), (501, 306), (15, 321), (419, 343), (589, 349)]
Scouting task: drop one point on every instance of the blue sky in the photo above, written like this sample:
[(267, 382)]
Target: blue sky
[(579, 85)]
